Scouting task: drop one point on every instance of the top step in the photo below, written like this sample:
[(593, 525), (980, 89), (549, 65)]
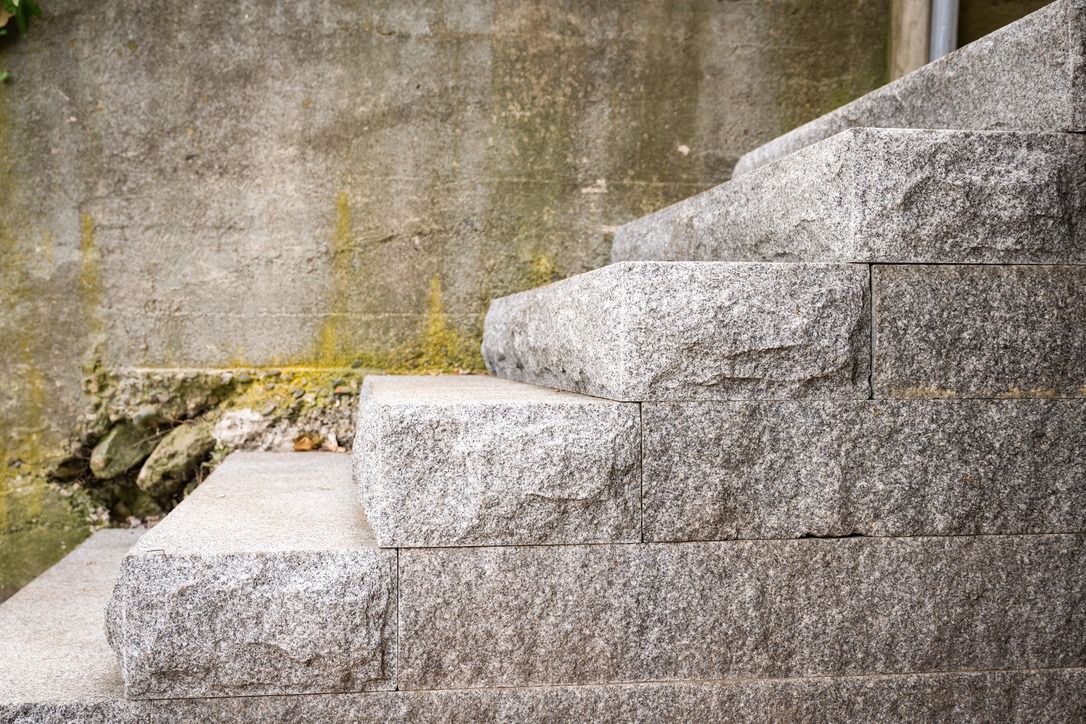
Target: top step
[(1028, 76)]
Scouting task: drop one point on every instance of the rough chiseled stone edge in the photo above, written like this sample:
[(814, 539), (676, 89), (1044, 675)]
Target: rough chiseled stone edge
[(383, 501), (154, 591), (527, 616), (879, 491), (624, 372), (865, 196), (1061, 17), (1053, 695)]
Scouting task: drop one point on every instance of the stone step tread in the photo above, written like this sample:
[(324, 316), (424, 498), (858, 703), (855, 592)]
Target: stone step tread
[(265, 580), (56, 668), (476, 460), (680, 330), (873, 195), (1029, 75)]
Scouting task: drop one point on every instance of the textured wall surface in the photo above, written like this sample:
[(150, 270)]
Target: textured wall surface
[(200, 184)]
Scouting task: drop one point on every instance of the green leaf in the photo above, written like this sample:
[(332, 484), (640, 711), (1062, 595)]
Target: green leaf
[(33, 8), (4, 75)]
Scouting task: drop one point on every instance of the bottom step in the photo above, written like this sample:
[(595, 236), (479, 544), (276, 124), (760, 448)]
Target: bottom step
[(55, 666)]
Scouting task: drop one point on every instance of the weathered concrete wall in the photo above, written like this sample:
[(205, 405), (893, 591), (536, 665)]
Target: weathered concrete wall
[(204, 184), (977, 18)]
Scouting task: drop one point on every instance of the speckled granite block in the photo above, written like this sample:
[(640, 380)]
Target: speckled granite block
[(56, 668), (784, 469), (684, 330), (979, 331), (447, 461), (887, 195), (1030, 76), (266, 580), (479, 617)]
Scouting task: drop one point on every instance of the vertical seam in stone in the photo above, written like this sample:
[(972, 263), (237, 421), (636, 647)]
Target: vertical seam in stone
[(871, 332)]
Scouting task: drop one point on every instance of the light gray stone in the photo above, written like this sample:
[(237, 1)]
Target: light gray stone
[(472, 460), (887, 195), (682, 330), (1030, 75), (520, 616), (786, 469), (56, 668), (265, 580), (979, 331)]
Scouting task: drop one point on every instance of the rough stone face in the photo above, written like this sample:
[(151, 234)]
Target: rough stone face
[(123, 448), (1030, 75), (175, 460), (783, 469), (265, 580), (887, 195), (445, 461), (677, 330), (56, 668), (979, 331), (586, 614)]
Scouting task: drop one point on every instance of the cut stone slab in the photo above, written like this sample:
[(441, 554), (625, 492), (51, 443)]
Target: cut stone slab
[(265, 580), (788, 469), (979, 331), (1029, 76), (680, 330), (472, 460), (56, 668), (887, 195), (522, 616)]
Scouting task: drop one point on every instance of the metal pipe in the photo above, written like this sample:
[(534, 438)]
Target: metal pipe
[(944, 28)]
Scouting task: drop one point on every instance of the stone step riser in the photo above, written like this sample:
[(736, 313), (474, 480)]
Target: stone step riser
[(524, 616), (642, 331), (445, 461), (886, 196), (266, 580), (753, 470), (56, 668), (1029, 76)]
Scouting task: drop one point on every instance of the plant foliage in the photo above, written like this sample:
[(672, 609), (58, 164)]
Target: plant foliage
[(20, 11)]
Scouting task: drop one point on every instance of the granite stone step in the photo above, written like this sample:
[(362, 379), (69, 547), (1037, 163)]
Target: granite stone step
[(792, 469), (887, 196), (473, 460), (1029, 75), (979, 331), (549, 615), (682, 330), (265, 580), (56, 668)]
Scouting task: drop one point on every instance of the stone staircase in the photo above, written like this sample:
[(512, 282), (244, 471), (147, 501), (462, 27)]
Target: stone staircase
[(811, 449)]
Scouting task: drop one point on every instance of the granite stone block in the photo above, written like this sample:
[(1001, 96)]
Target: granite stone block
[(683, 330), (979, 331), (790, 469), (473, 460), (1029, 75), (887, 195), (525, 616), (56, 668), (266, 580)]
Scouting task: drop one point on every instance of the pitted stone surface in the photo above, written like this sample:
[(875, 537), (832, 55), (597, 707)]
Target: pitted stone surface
[(472, 460), (523, 616), (56, 668), (266, 580), (785, 469), (1030, 76), (683, 330), (979, 331), (887, 195)]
